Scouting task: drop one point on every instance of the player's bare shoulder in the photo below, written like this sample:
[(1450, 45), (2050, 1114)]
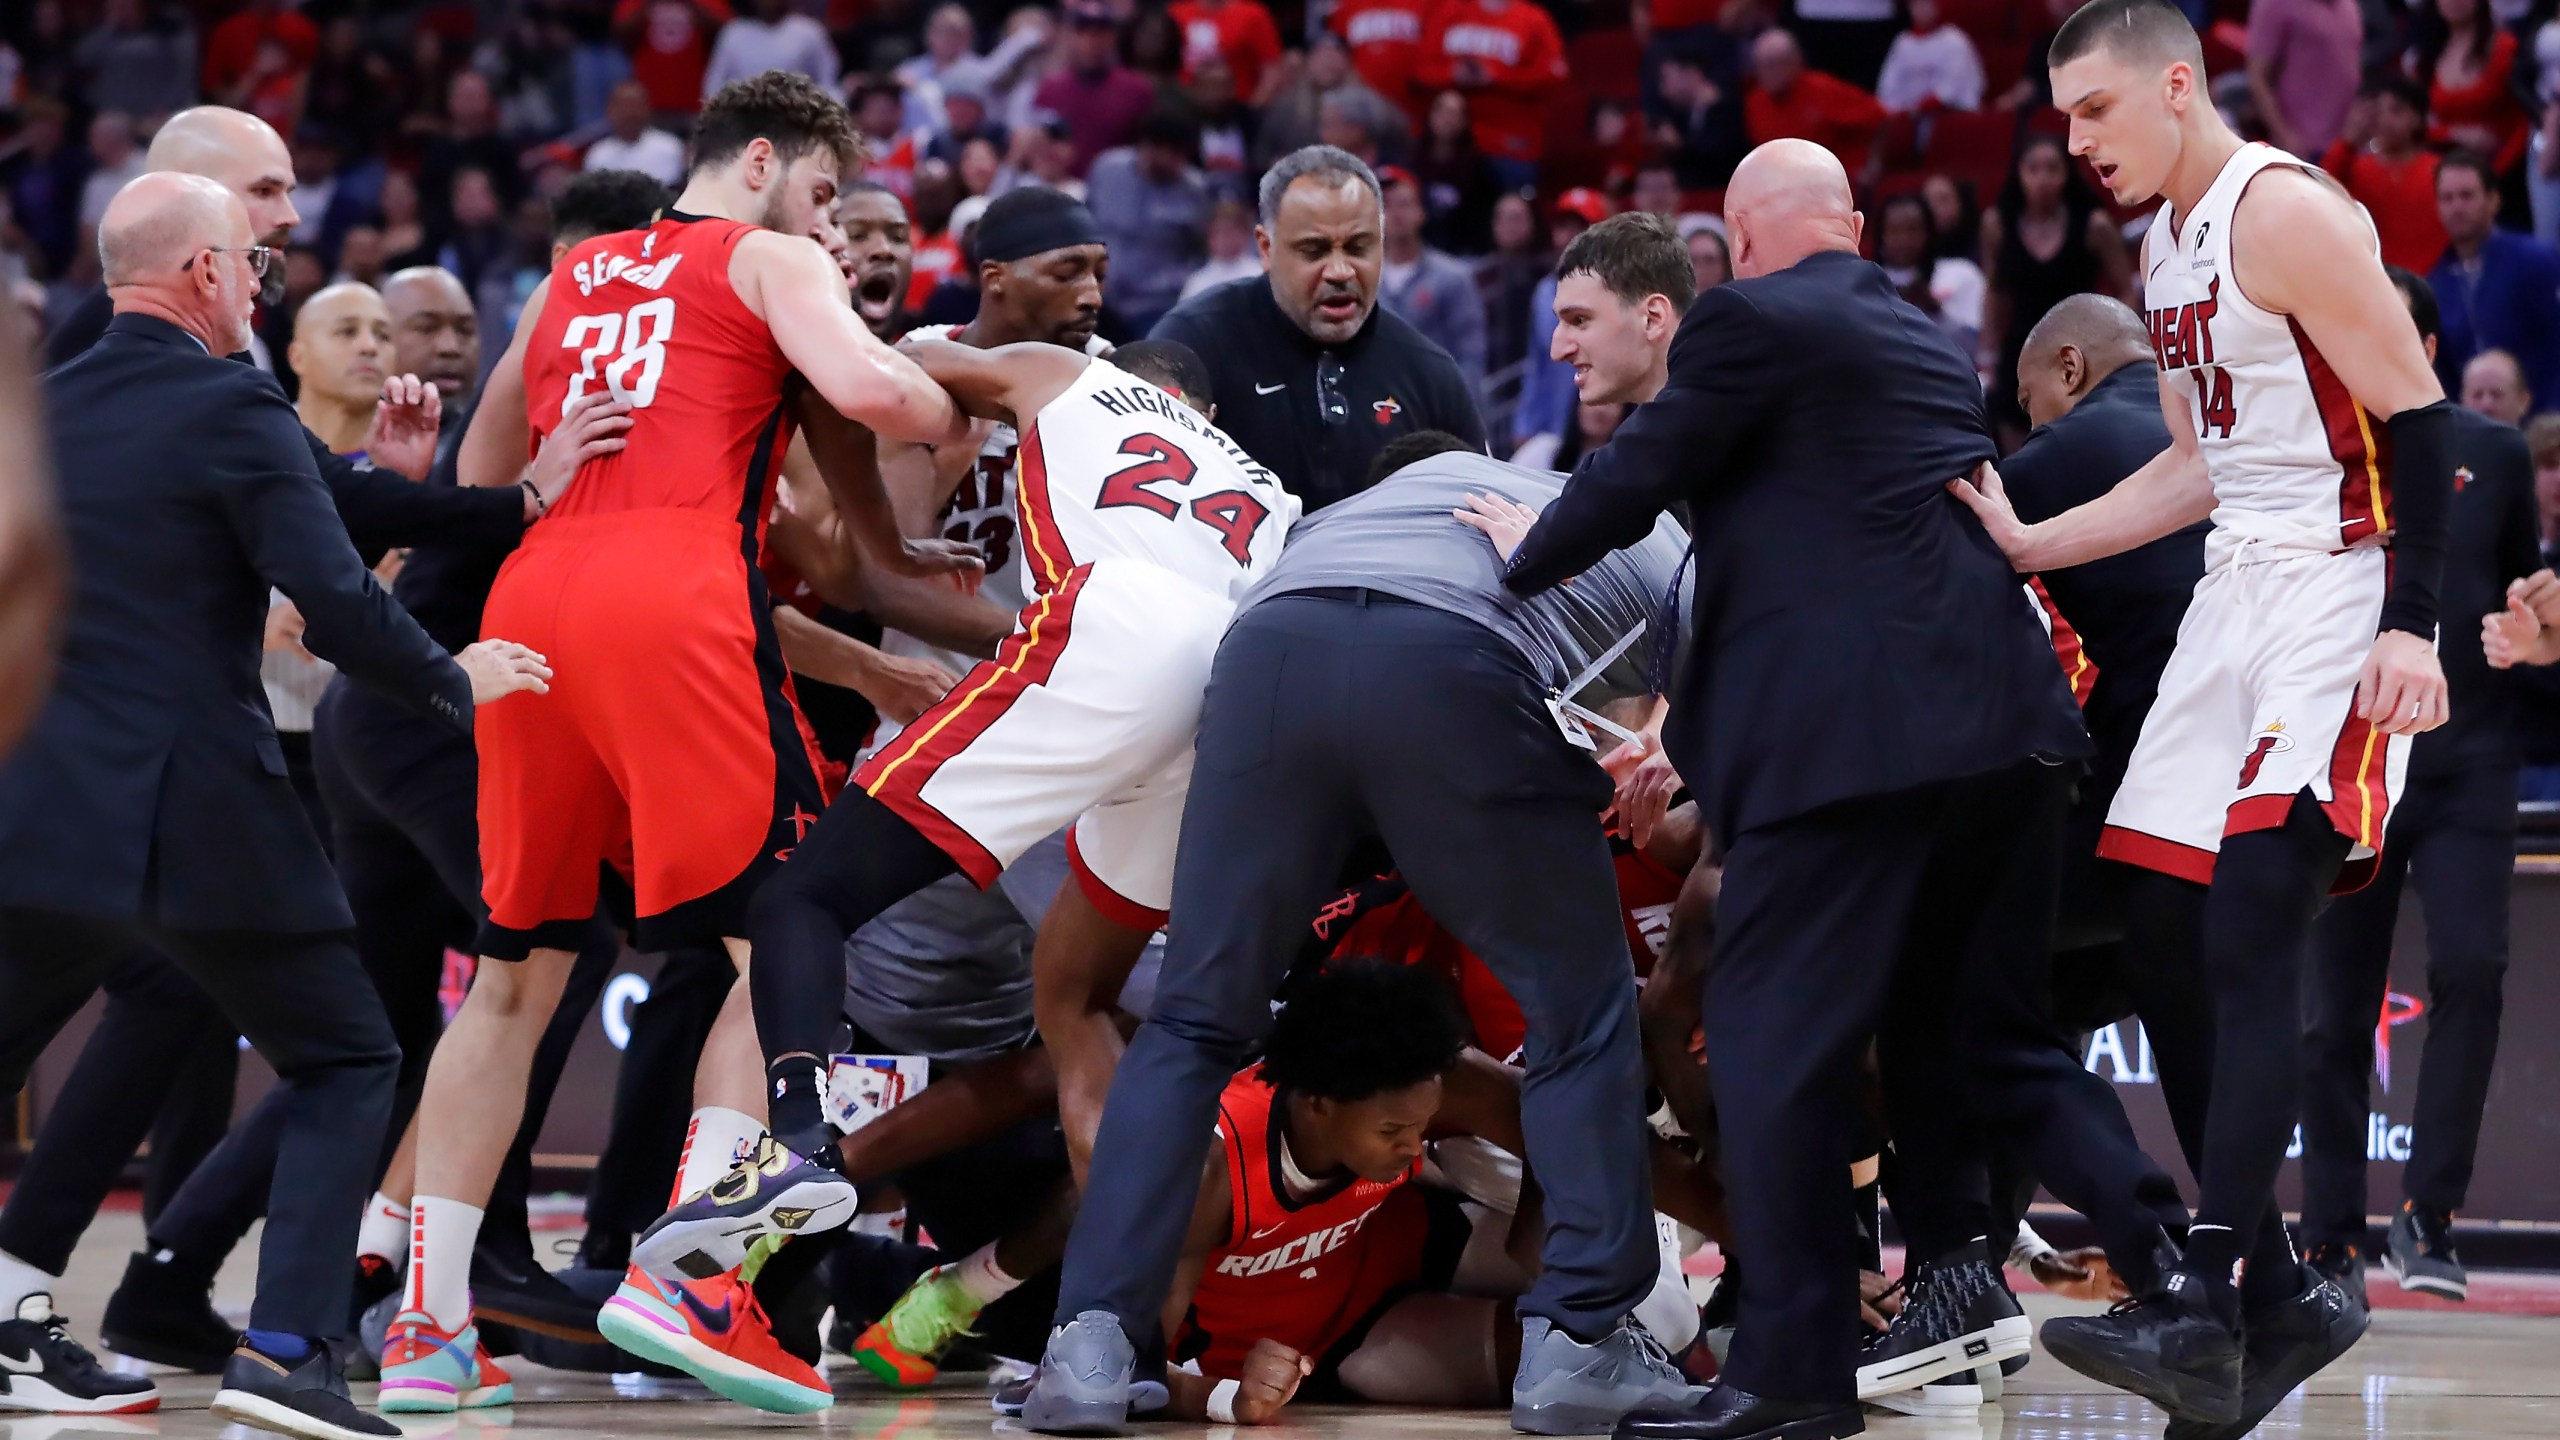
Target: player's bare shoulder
[(2293, 228)]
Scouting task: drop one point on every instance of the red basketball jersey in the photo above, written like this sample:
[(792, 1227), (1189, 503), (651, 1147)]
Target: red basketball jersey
[(651, 315), (1299, 1273)]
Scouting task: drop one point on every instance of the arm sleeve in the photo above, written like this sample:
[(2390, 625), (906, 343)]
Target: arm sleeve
[(1673, 445), (281, 513), (381, 510), (2422, 463)]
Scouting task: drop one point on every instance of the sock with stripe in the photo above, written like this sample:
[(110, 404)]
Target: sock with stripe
[(442, 1233), (983, 1278), (385, 1231), (712, 1143)]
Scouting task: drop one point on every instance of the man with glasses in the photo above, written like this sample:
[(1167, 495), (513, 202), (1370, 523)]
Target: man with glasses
[(150, 805), (1313, 378)]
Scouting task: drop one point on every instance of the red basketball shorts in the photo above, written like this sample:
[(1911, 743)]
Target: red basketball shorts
[(668, 746)]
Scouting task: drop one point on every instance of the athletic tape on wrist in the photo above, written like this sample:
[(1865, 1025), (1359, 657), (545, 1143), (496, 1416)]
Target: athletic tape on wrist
[(1222, 1401)]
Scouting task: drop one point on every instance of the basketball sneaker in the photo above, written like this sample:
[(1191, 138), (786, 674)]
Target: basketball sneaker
[(2342, 1266), (2281, 1346), (163, 1312), (769, 1196), (431, 1371), (905, 1347), (2419, 1253), (2167, 1346), (715, 1331), (44, 1370)]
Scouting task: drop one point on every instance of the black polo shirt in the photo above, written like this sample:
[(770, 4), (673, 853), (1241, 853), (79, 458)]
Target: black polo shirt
[(2126, 607), (1317, 415), (2493, 537)]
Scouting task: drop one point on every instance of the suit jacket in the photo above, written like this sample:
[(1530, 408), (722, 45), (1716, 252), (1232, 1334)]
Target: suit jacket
[(381, 508), (153, 786), (1855, 630)]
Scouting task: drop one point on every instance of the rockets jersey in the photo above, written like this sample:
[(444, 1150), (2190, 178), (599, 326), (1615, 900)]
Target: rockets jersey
[(1381, 920), (980, 512), (1385, 37), (1117, 467), (1301, 1273), (651, 315), (2295, 460)]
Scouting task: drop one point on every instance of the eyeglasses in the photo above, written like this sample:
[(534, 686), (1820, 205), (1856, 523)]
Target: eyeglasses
[(1329, 397), (260, 257)]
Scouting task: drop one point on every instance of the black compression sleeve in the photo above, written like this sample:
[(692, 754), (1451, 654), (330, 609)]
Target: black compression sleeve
[(2422, 461)]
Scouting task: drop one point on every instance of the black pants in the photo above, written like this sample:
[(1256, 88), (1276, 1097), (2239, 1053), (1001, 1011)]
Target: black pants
[(1921, 920), (302, 999), (1328, 719), (401, 795), (2453, 838), (653, 1091)]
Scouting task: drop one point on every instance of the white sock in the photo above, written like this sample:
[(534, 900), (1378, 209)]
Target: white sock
[(385, 1231), (712, 1143), (441, 1237), (983, 1278), (18, 1280)]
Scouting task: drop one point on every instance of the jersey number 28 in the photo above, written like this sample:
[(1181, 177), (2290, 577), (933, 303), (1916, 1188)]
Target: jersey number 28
[(1234, 514), (640, 333)]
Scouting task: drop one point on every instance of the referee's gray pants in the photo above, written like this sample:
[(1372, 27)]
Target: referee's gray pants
[(1329, 717)]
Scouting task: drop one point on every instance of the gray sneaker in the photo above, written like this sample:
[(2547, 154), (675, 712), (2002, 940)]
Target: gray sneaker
[(1565, 1387), (1083, 1384), (2419, 1253)]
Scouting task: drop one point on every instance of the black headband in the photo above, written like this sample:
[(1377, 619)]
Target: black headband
[(1033, 221)]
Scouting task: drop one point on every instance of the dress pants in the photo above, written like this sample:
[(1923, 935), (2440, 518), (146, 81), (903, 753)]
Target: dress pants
[(1925, 915), (653, 1093), (303, 1001), (2453, 839), (1331, 717)]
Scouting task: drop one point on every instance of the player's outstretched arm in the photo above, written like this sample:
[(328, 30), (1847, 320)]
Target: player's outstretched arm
[(2168, 494), (848, 461), (2299, 248), (796, 290), (1008, 382)]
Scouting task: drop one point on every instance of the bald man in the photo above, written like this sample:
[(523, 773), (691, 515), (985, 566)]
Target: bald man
[(1875, 727), (435, 335), (2493, 384), (341, 346), (178, 529)]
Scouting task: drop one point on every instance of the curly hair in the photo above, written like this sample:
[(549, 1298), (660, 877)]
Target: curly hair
[(1363, 1028), (790, 110), (601, 202)]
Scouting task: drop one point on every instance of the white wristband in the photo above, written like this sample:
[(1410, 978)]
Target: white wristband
[(1222, 1401)]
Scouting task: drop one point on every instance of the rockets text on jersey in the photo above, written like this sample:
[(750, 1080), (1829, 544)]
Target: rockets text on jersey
[(1116, 466), (2294, 459), (651, 315)]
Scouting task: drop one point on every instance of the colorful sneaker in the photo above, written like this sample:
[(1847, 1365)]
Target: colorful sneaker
[(770, 1196), (714, 1331), (905, 1347), (430, 1371)]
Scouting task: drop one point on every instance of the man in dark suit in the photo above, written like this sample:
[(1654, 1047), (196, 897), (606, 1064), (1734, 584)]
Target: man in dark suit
[(150, 803), (1873, 722)]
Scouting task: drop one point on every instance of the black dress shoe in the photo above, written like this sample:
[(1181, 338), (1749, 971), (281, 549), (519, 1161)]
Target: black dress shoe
[(1725, 1413), (163, 1312)]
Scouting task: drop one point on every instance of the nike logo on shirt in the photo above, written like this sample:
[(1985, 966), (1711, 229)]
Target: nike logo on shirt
[(1261, 389)]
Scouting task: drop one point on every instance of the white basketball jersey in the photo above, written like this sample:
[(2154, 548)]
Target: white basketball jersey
[(980, 512), (2294, 459), (1118, 467)]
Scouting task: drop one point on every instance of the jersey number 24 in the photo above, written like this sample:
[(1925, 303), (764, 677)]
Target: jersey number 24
[(1234, 514)]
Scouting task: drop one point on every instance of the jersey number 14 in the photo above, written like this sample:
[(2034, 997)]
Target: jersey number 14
[(2213, 386), (639, 333)]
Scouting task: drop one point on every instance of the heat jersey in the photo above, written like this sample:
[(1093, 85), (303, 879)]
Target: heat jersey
[(980, 512), (1171, 489), (2294, 459), (1302, 1272), (651, 315)]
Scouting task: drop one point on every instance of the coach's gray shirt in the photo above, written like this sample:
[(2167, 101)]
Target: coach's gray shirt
[(1400, 537)]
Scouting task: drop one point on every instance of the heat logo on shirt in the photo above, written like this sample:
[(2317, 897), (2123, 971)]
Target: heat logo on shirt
[(1305, 1250), (2182, 338)]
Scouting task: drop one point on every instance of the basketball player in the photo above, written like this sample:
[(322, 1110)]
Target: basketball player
[(1141, 524), (676, 753), (2304, 419)]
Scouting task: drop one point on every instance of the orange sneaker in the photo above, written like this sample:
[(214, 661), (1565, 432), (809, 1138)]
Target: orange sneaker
[(904, 1348), (715, 1331)]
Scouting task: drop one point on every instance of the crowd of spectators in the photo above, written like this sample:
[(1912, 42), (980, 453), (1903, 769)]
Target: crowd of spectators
[(435, 131)]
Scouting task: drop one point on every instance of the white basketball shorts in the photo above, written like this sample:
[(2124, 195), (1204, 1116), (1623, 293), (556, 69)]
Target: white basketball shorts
[(2256, 706), (1087, 714)]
